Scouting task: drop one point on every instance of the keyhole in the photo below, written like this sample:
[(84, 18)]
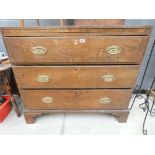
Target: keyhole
[(75, 42), (76, 93)]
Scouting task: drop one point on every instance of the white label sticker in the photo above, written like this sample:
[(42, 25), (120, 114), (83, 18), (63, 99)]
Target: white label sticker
[(82, 40)]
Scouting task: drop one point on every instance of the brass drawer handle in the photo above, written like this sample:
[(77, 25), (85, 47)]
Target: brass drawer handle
[(47, 99), (108, 78), (113, 50), (105, 100), (43, 78), (39, 50)]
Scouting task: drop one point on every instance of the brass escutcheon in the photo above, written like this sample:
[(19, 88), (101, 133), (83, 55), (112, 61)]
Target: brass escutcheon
[(43, 78), (47, 99), (112, 50), (105, 100), (39, 50), (108, 78)]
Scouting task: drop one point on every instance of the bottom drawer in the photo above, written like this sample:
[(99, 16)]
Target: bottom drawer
[(76, 99)]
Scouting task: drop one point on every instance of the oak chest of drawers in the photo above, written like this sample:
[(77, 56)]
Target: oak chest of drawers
[(76, 69)]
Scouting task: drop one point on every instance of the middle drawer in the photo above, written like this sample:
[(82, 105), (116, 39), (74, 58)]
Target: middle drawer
[(107, 76)]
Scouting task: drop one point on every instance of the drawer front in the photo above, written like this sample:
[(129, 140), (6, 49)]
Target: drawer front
[(72, 50), (76, 99), (76, 76)]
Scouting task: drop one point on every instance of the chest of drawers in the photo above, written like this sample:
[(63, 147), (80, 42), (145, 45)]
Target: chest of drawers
[(75, 69)]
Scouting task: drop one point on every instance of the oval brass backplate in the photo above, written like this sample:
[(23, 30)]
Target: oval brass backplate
[(112, 50), (39, 50), (108, 78), (43, 78), (105, 100), (47, 99)]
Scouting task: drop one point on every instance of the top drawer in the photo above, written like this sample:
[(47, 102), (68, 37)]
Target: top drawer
[(81, 49)]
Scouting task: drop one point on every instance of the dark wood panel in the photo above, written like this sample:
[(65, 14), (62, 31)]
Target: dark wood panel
[(72, 50), (76, 76), (76, 99)]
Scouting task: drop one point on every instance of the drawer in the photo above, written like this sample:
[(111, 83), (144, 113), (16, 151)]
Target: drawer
[(76, 99), (104, 76), (76, 50)]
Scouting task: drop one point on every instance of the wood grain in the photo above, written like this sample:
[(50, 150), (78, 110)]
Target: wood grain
[(76, 68), (72, 30), (76, 76), (71, 50), (76, 99)]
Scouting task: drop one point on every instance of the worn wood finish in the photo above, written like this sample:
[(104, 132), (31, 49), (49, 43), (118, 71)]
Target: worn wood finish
[(76, 61), (76, 76), (121, 116), (31, 115), (72, 30), (76, 99), (71, 50)]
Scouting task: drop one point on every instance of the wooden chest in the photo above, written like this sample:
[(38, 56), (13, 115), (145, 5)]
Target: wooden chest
[(73, 69)]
